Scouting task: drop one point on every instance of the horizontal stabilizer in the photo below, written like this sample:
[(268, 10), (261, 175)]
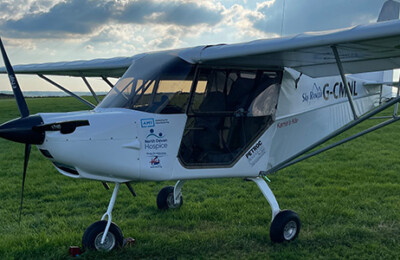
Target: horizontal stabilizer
[(375, 84)]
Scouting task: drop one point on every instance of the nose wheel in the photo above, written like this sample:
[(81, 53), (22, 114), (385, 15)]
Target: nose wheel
[(104, 235), (93, 235), (165, 199), (170, 197), (285, 226)]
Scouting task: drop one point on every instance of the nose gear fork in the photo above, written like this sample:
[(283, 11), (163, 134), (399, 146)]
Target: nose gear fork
[(109, 211), (268, 194), (285, 225), (104, 235)]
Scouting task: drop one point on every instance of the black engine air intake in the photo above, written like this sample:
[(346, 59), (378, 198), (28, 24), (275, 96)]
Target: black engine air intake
[(66, 127), (21, 130)]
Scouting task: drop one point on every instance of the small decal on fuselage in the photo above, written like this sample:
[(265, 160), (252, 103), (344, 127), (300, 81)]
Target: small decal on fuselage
[(162, 121), (155, 162), (314, 94), (155, 141), (147, 122), (255, 153), (288, 122), (327, 91)]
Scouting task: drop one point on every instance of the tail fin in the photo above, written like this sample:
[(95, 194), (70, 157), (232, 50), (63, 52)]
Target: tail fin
[(390, 11)]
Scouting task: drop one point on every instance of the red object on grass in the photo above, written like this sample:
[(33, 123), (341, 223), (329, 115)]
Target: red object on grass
[(74, 251)]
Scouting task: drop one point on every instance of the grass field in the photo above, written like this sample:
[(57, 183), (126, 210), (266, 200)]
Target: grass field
[(348, 200)]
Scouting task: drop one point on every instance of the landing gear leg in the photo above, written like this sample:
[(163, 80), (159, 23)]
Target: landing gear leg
[(285, 224), (104, 235), (170, 197)]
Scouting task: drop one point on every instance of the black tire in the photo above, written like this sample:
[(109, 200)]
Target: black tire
[(93, 234), (165, 199), (285, 226)]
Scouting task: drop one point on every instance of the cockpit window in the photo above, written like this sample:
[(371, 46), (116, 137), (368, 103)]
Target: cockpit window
[(157, 83), (228, 111)]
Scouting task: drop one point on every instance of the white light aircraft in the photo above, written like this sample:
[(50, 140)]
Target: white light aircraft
[(239, 110)]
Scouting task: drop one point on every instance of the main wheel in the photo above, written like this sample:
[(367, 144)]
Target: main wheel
[(92, 237), (285, 226), (165, 199)]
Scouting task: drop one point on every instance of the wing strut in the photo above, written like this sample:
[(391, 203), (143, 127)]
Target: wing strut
[(292, 160), (107, 81), (396, 107), (91, 89), (348, 139), (344, 80), (67, 91)]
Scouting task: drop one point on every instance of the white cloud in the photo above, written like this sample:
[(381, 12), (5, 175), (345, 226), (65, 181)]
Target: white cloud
[(314, 15), (267, 4), (150, 26), (240, 18), (17, 44), (108, 28), (16, 9)]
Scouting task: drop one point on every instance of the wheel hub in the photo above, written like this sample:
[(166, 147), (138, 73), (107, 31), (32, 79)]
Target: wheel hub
[(171, 201), (108, 244), (290, 230)]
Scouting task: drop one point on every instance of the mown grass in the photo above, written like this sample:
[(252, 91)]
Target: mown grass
[(348, 200)]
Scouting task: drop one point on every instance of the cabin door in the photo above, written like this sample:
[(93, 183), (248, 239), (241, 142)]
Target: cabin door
[(228, 111)]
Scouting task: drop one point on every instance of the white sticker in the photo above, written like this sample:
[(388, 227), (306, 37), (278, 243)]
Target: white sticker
[(255, 153)]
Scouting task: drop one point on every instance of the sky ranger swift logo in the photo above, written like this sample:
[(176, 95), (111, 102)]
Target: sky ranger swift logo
[(314, 94), (335, 91)]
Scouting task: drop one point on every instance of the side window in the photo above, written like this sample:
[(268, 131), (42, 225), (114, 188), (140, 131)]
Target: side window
[(264, 100), (199, 94), (171, 97), (143, 95), (229, 110)]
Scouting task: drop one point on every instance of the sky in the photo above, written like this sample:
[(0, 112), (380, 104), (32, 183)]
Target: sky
[(37, 31)]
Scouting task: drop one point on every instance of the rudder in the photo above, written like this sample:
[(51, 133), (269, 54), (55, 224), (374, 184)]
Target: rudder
[(390, 11)]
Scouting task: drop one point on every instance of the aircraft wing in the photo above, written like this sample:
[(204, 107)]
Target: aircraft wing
[(363, 48), (114, 67)]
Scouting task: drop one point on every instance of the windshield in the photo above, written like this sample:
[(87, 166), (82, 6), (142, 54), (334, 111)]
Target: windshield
[(157, 83)]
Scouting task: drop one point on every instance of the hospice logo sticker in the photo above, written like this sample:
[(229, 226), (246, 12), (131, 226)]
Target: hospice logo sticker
[(155, 141), (152, 134)]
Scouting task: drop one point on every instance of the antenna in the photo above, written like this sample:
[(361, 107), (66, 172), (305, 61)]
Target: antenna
[(283, 16)]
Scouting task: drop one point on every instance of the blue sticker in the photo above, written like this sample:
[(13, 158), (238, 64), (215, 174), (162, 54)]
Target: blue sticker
[(147, 122)]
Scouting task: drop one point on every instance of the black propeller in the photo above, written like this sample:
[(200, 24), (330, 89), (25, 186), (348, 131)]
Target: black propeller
[(19, 97), (26, 160), (29, 129), (20, 130)]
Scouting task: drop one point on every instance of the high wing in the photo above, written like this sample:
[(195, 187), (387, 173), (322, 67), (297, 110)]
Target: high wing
[(363, 48), (114, 67)]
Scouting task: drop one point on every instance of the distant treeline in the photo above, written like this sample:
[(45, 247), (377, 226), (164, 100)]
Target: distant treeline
[(2, 95), (51, 93)]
